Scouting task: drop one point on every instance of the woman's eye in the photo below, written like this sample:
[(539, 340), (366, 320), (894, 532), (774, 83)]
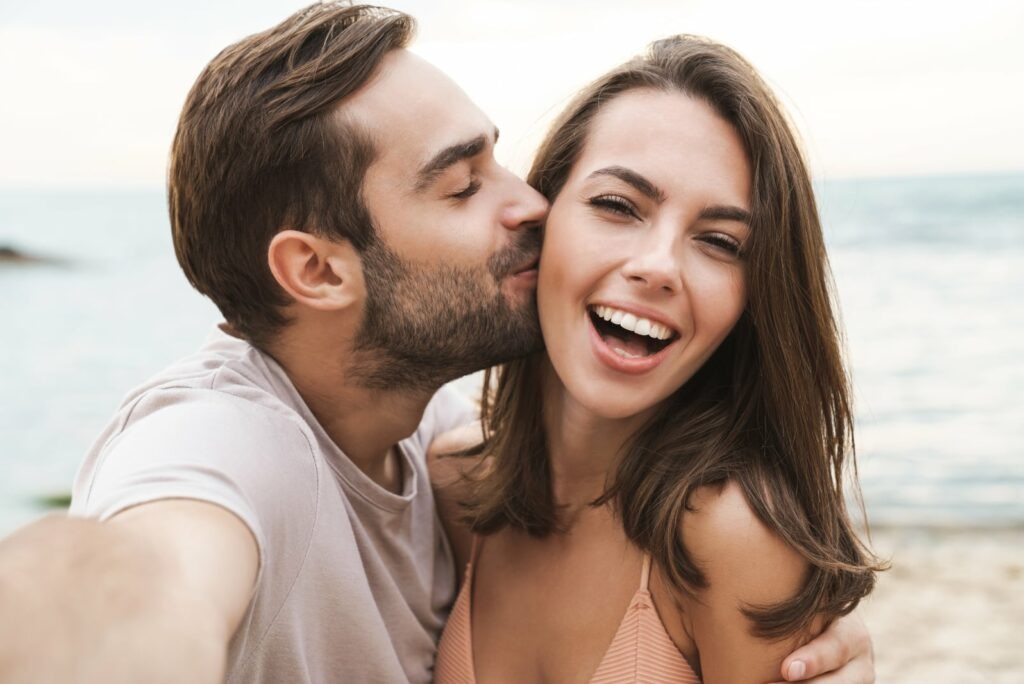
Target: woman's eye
[(615, 204), (466, 192), (726, 243)]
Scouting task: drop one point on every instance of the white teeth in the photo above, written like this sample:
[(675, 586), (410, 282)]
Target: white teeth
[(625, 354), (633, 323)]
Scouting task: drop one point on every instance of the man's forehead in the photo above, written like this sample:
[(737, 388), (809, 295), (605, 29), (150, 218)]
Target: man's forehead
[(410, 107)]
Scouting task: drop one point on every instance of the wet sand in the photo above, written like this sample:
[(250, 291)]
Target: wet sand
[(951, 609)]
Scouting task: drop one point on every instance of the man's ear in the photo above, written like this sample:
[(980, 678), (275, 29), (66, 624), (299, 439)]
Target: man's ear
[(317, 272)]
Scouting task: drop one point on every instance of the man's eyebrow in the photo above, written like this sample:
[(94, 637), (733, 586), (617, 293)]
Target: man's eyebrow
[(726, 213), (633, 178), (448, 157)]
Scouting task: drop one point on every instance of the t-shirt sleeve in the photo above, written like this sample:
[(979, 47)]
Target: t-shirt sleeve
[(450, 408), (245, 458)]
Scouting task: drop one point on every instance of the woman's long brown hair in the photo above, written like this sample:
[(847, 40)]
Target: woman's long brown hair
[(770, 410)]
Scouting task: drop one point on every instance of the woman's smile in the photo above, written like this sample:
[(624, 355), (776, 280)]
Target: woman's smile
[(628, 341)]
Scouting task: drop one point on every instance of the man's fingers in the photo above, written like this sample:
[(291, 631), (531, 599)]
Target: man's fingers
[(826, 653), (860, 670), (841, 677), (844, 647)]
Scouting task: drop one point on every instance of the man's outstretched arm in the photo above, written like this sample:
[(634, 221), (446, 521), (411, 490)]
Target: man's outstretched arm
[(154, 594), (842, 654)]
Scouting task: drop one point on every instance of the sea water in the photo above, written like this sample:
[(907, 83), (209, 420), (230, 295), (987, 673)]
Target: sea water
[(930, 275), (929, 272)]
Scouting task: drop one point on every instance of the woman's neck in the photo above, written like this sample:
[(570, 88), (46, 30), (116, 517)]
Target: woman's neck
[(584, 449)]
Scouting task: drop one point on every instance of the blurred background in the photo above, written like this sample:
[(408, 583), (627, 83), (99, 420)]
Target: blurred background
[(911, 116)]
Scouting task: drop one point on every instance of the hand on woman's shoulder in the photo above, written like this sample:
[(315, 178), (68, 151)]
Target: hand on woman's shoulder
[(448, 478), (746, 565), (446, 469)]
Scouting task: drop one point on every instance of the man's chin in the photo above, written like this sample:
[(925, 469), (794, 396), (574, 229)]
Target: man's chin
[(519, 295), (525, 339)]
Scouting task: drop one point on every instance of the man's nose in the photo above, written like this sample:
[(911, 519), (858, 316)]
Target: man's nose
[(527, 209)]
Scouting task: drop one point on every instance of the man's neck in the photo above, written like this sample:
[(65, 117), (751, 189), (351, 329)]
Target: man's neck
[(364, 423)]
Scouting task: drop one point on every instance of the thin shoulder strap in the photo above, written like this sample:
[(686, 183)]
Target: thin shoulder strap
[(645, 574), (474, 550)]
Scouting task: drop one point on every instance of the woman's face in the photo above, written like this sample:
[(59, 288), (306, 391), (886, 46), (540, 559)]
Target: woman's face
[(641, 276)]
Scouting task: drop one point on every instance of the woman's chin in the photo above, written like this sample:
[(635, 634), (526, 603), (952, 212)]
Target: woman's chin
[(615, 406), (586, 392)]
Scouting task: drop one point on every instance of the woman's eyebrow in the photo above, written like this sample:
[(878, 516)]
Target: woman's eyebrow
[(644, 186), (726, 213), (652, 191)]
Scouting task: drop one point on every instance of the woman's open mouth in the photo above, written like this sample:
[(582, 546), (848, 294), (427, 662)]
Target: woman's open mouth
[(628, 342)]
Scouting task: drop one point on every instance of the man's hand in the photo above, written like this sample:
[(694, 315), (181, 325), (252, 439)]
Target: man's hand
[(152, 595), (842, 654)]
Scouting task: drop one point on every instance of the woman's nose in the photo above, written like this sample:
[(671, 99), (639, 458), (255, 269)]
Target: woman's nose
[(656, 263)]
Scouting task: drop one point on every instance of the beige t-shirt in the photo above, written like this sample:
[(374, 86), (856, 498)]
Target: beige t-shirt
[(355, 581)]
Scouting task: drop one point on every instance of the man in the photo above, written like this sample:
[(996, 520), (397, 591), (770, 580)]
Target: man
[(261, 509)]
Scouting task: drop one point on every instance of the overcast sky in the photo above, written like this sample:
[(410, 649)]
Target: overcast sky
[(90, 90)]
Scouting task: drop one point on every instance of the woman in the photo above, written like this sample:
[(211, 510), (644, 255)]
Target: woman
[(659, 495)]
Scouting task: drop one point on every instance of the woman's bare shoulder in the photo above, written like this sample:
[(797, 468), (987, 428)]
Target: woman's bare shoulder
[(746, 564), (733, 545)]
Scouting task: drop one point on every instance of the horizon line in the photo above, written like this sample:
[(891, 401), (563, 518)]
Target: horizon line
[(815, 178)]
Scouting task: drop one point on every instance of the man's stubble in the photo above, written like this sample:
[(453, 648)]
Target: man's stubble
[(424, 326)]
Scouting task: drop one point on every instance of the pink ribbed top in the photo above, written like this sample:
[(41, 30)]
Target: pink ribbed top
[(641, 650)]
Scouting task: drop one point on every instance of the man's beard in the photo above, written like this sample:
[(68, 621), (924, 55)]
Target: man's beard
[(426, 325)]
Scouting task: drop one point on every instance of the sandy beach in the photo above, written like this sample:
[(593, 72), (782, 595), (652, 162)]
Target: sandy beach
[(951, 609)]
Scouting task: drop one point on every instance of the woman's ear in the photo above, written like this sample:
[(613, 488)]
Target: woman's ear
[(316, 272)]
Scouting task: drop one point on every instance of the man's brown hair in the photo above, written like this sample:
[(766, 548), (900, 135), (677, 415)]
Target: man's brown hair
[(260, 148)]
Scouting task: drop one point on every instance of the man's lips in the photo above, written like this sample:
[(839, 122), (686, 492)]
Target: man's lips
[(528, 268)]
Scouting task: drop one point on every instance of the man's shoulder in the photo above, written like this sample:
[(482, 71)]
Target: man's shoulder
[(226, 377), (214, 420), (209, 429), (211, 422), (213, 413)]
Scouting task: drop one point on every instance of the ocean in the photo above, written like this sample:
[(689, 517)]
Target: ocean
[(929, 271)]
